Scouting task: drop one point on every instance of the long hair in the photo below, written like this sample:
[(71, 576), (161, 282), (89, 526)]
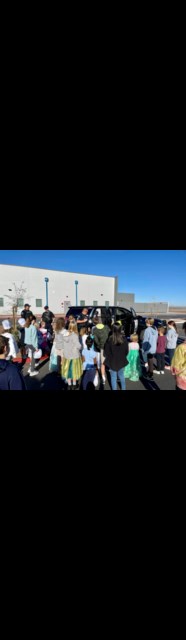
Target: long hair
[(60, 324), (83, 331), (117, 337), (171, 323), (73, 327)]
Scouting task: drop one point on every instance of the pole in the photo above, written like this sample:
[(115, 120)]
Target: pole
[(46, 281), (76, 283)]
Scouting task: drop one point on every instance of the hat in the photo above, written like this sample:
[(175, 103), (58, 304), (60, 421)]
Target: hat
[(21, 322), (6, 324)]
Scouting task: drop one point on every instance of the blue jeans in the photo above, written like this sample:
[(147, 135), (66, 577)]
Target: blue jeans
[(121, 377), (170, 353)]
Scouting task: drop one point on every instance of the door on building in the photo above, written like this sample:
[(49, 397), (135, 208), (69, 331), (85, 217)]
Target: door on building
[(66, 306)]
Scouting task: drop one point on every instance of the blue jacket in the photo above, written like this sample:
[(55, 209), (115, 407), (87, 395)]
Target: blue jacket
[(31, 336), (10, 378), (150, 340), (172, 338)]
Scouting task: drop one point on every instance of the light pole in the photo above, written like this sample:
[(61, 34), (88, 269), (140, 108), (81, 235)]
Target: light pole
[(46, 281), (76, 283)]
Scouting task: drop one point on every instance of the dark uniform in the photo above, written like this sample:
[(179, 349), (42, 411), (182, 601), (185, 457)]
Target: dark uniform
[(84, 324), (48, 317)]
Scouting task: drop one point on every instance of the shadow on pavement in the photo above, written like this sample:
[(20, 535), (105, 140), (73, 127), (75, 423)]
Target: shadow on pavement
[(32, 384), (53, 382), (150, 385)]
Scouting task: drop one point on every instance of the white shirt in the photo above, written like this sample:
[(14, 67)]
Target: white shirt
[(12, 345)]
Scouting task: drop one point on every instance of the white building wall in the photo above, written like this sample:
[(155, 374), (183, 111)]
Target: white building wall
[(61, 288)]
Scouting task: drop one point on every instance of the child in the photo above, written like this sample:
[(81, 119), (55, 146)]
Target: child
[(31, 342), (172, 338), (60, 331), (21, 324), (133, 370), (100, 333), (116, 351), (72, 364), (149, 344), (89, 360), (43, 338), (178, 366), (160, 351), (7, 333), (10, 378), (83, 335), (69, 319)]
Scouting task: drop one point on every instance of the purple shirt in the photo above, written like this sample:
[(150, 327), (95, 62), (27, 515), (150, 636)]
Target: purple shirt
[(161, 344)]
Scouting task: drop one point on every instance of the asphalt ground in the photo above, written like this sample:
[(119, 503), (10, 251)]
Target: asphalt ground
[(46, 381)]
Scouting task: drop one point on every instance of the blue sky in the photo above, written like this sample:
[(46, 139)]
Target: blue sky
[(151, 275)]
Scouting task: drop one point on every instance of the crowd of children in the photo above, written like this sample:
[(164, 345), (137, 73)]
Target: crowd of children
[(83, 354)]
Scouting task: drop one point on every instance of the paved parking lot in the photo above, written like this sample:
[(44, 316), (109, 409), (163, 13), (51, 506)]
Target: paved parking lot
[(46, 381)]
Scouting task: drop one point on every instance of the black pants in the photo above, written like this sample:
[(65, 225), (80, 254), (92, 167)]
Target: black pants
[(59, 364), (160, 361), (151, 362)]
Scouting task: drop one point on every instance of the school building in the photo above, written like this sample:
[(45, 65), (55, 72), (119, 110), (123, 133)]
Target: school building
[(58, 289), (62, 289)]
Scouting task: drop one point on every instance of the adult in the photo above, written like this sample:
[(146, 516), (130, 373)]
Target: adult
[(116, 350), (10, 378), (26, 313), (178, 365), (48, 317), (31, 342), (83, 319)]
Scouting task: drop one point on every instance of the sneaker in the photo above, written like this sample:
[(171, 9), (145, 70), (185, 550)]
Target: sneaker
[(162, 373), (34, 373), (29, 371), (158, 372), (146, 365), (167, 368), (103, 379)]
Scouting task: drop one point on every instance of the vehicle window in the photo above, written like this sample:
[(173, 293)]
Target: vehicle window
[(120, 314)]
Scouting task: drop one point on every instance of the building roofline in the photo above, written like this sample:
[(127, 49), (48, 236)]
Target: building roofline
[(81, 273)]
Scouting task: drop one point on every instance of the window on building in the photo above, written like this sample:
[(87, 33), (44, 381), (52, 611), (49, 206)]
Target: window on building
[(82, 303), (107, 303), (1, 302), (39, 302), (20, 302), (95, 303)]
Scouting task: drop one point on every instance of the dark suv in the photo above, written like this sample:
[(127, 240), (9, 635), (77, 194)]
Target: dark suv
[(142, 325), (127, 317)]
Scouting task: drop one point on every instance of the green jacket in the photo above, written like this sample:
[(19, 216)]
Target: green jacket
[(101, 334)]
